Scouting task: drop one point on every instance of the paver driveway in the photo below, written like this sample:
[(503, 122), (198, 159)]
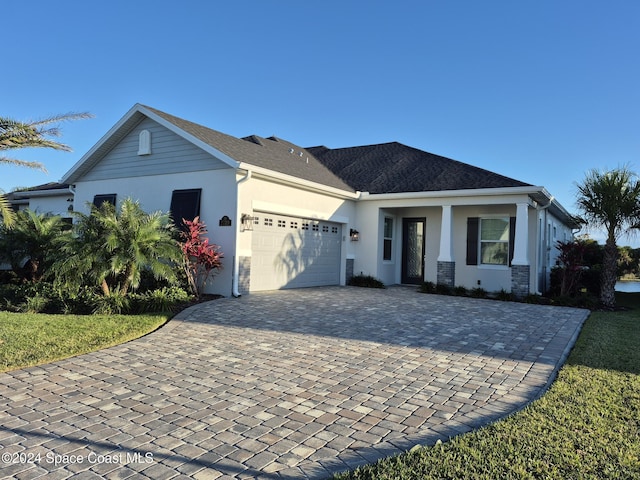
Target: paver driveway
[(286, 384)]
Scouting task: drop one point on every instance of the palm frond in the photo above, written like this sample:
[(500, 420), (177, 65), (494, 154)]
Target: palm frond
[(65, 117), (16, 134), (23, 163), (6, 212)]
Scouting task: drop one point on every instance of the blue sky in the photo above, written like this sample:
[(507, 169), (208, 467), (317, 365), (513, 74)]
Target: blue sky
[(539, 91)]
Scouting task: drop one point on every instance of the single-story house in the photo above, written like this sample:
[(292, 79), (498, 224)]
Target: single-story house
[(287, 216)]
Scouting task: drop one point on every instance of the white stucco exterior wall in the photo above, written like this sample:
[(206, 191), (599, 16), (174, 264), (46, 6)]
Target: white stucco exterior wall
[(154, 194), (55, 205)]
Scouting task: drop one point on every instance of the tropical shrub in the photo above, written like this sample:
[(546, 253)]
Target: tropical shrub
[(478, 292), (166, 299), (505, 296), (367, 281), (536, 299), (460, 291), (30, 245), (428, 287), (578, 268), (41, 297), (35, 304), (110, 249), (201, 258), (114, 304)]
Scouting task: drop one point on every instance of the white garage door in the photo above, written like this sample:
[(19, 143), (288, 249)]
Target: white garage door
[(289, 252)]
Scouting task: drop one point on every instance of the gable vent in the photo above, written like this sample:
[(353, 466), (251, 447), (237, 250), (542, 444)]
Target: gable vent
[(144, 143)]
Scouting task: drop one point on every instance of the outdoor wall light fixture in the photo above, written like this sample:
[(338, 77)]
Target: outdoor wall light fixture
[(354, 235), (247, 222)]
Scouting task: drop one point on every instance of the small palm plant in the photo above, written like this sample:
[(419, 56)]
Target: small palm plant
[(111, 248), (29, 246)]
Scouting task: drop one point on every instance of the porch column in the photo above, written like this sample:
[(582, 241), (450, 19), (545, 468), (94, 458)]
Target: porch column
[(520, 268), (446, 263)]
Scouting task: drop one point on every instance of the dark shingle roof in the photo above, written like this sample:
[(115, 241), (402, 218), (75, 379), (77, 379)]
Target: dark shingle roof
[(47, 186), (271, 153), (384, 168), (394, 167)]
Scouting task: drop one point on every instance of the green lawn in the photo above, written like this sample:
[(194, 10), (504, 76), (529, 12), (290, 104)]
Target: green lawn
[(587, 426), (32, 339)]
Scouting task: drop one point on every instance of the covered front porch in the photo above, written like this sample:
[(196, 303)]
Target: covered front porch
[(474, 239)]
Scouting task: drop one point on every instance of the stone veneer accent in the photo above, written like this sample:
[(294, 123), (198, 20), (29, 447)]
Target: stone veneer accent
[(244, 275), (349, 269), (446, 273), (520, 275)]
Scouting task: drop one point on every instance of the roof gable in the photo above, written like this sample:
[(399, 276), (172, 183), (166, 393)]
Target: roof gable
[(124, 127), (395, 168)]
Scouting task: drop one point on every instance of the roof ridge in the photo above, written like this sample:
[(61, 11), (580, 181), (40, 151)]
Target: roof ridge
[(254, 139)]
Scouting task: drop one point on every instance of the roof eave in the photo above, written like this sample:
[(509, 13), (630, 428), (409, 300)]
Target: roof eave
[(285, 179), (57, 192), (530, 190), (537, 194)]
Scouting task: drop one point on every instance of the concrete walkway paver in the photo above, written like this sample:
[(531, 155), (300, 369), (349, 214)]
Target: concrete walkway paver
[(287, 384)]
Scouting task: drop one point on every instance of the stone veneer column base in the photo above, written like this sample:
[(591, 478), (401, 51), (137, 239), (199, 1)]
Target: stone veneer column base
[(446, 273), (520, 277), (244, 275), (349, 270)]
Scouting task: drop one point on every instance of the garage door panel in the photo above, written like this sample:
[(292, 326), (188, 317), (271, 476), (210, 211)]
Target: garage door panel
[(289, 252)]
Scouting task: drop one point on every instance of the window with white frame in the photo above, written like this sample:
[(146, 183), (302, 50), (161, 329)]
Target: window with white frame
[(494, 241), (387, 248)]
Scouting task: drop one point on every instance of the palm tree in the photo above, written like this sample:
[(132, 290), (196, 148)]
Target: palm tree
[(15, 134), (111, 248), (32, 239), (610, 200)]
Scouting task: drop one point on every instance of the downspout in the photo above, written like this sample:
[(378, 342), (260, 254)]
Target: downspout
[(72, 190), (545, 253), (236, 261)]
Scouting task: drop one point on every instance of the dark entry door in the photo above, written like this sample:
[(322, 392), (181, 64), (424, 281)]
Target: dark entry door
[(413, 246)]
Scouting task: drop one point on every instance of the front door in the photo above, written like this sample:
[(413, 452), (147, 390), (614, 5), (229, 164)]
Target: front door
[(413, 245)]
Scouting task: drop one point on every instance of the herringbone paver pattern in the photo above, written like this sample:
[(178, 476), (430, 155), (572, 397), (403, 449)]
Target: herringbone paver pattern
[(287, 384)]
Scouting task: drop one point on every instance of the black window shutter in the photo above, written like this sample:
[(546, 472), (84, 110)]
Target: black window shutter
[(512, 237), (185, 204), (98, 200), (472, 240)]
